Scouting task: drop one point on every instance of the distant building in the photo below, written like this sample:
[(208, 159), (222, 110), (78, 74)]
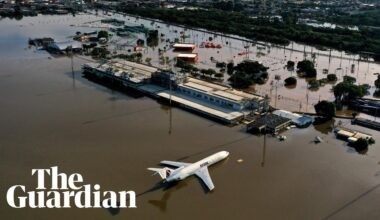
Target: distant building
[(301, 121), (222, 95), (189, 57), (217, 101), (128, 73), (64, 47), (167, 78), (44, 42), (184, 47), (270, 123)]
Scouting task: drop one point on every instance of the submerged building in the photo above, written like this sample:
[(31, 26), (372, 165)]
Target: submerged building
[(269, 123), (128, 73), (184, 47), (222, 95), (214, 100), (300, 121), (188, 57)]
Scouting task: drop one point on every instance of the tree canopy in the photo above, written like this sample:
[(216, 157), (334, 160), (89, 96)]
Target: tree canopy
[(103, 34), (306, 67), (248, 72), (325, 108), (290, 81), (331, 77), (268, 29), (347, 90), (377, 82)]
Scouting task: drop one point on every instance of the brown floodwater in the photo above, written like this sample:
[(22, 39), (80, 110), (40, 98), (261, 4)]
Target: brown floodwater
[(297, 98), (50, 116)]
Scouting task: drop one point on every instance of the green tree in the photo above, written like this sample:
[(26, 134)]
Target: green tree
[(102, 34), (314, 84), (325, 108), (290, 81), (148, 60), (307, 67), (230, 68), (331, 77), (377, 82), (360, 145), (346, 90), (220, 64), (248, 72), (349, 79), (290, 64), (208, 72)]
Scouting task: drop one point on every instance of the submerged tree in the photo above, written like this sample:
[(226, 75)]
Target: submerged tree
[(103, 34), (347, 90), (306, 67), (230, 68), (331, 77), (325, 108), (290, 81), (361, 145), (248, 72), (377, 85)]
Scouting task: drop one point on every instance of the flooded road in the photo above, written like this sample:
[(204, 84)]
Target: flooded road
[(50, 116)]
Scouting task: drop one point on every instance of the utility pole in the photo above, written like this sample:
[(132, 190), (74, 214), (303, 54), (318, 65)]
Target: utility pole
[(307, 99), (264, 148), (246, 45), (275, 101), (170, 95), (300, 106), (72, 65)]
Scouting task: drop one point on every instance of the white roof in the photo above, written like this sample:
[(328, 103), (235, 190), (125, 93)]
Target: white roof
[(287, 114), (228, 96), (184, 45), (345, 133), (65, 45), (187, 55), (202, 106), (211, 85), (134, 72), (220, 91), (199, 87)]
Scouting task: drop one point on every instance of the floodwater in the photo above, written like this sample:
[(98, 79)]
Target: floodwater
[(51, 116), (297, 98)]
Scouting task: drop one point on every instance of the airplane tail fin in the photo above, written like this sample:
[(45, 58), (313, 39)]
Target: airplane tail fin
[(163, 172)]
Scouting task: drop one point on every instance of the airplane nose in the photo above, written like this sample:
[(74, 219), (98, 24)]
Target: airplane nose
[(226, 153)]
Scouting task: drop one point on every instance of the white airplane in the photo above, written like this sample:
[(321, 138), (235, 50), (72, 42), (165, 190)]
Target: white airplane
[(187, 169)]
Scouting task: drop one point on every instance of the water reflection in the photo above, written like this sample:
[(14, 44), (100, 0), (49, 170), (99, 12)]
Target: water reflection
[(53, 125), (168, 189), (325, 128), (348, 204)]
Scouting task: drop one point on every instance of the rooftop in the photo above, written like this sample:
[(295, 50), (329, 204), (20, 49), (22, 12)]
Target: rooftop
[(187, 55), (220, 91), (124, 69), (184, 45), (224, 114), (271, 121)]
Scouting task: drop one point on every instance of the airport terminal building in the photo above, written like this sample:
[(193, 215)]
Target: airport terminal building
[(218, 101), (222, 95)]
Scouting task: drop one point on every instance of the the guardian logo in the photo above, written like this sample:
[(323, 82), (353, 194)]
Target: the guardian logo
[(66, 192)]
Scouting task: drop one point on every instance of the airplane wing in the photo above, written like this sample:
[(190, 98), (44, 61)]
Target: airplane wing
[(174, 163), (205, 177)]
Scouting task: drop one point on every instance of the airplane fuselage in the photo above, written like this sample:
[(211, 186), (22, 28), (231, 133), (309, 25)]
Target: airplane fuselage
[(184, 172)]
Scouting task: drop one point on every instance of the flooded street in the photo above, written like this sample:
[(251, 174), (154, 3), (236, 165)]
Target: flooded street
[(51, 116)]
